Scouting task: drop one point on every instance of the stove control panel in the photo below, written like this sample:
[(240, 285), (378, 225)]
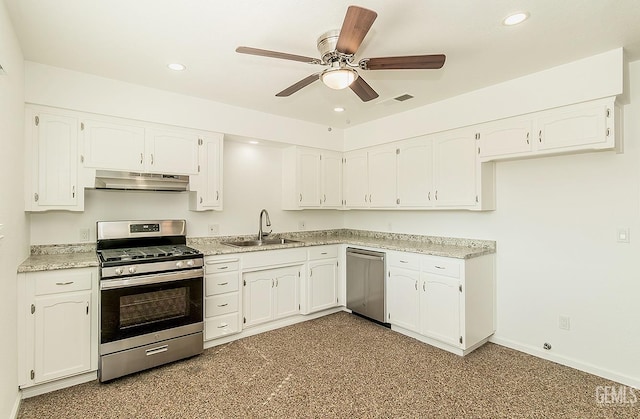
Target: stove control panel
[(144, 228)]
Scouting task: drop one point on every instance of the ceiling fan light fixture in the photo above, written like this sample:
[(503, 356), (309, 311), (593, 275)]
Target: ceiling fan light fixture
[(338, 78)]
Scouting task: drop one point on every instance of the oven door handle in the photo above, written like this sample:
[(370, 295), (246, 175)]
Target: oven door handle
[(107, 284)]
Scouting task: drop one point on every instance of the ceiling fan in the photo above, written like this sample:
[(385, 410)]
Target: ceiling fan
[(337, 50)]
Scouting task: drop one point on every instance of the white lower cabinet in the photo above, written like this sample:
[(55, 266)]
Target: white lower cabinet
[(58, 330), (271, 294), (447, 302), (222, 297), (320, 290)]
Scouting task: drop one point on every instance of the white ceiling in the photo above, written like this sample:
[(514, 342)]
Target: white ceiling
[(133, 40)]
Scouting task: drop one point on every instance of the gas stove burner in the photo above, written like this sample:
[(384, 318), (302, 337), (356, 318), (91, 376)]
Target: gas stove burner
[(146, 253)]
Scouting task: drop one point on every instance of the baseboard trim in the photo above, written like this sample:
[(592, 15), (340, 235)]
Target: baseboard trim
[(16, 407), (569, 362), (58, 384)]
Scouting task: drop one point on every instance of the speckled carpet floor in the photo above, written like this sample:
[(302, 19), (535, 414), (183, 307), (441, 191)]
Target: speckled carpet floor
[(339, 366)]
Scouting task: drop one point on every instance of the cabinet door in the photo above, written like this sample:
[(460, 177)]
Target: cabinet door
[(113, 146), (172, 152), (579, 125), (356, 189), (308, 166), (258, 297), (322, 288), (331, 179), (440, 308), (455, 169), (57, 161), (506, 138), (382, 177), (287, 291), (206, 186), (403, 299), (415, 173), (62, 335)]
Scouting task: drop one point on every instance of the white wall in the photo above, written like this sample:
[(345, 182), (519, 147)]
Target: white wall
[(590, 78), (557, 254), (251, 181), (14, 246), (53, 86)]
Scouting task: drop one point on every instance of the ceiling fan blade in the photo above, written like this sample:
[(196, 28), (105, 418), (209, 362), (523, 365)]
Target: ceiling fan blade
[(357, 23), (299, 85), (410, 62), (363, 90), (276, 54)]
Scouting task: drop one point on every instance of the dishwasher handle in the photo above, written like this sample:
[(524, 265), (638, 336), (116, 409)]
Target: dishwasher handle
[(363, 254)]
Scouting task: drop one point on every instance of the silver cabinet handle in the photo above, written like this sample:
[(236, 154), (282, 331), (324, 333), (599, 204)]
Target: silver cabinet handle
[(223, 267), (540, 136), (201, 200), (223, 305), (365, 197), (325, 197), (64, 283), (151, 158), (300, 197), (73, 191), (439, 267), (423, 286), (217, 195), (527, 138), (404, 261), (436, 195), (323, 253), (416, 285), (222, 326), (223, 283), (276, 282), (141, 158), (429, 196)]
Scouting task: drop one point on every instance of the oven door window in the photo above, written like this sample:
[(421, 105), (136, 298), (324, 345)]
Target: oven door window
[(135, 311)]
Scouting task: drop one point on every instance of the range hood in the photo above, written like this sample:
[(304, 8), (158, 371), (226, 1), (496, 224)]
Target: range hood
[(107, 179)]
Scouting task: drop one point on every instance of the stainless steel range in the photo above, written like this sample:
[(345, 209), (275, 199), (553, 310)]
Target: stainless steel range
[(151, 296)]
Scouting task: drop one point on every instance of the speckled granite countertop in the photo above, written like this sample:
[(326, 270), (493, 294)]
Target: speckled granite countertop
[(59, 256), (51, 257), (428, 245)]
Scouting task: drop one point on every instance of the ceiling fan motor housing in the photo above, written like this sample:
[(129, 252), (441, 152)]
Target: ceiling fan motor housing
[(327, 45)]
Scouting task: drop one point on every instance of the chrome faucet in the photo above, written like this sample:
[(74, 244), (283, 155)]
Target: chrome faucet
[(261, 234)]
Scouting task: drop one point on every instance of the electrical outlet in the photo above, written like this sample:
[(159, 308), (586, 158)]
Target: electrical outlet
[(301, 225), (84, 234), (214, 229), (564, 322)]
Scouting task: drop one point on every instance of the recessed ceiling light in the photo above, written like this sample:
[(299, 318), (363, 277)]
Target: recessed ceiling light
[(253, 142), (176, 66), (338, 109), (515, 18)]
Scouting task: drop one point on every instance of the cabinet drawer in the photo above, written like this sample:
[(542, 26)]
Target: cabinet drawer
[(441, 266), (219, 326), (404, 260), (221, 283), (323, 252), (63, 281), (221, 304), (215, 266)]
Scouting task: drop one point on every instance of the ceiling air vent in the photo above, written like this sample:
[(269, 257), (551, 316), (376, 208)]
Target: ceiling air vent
[(404, 97)]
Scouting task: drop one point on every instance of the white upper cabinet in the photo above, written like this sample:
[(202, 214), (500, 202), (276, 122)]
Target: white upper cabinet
[(113, 145), (331, 179), (356, 182), (455, 169), (415, 173), (206, 187), (585, 126), (52, 162), (172, 152), (381, 169), (311, 178)]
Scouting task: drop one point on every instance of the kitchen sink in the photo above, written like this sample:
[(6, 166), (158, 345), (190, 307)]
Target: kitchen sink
[(264, 242)]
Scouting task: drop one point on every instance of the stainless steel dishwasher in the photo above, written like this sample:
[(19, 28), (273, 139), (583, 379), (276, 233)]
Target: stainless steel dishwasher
[(365, 283)]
